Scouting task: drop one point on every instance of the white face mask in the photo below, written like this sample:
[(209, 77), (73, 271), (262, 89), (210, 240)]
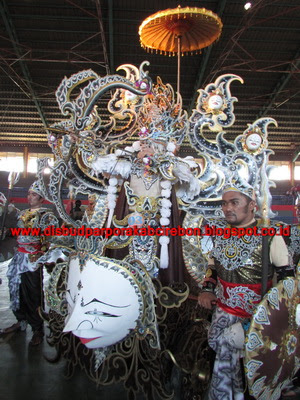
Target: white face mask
[(253, 141), (215, 102), (104, 302)]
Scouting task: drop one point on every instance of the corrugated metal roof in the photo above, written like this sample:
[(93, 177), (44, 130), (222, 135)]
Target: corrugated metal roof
[(42, 41)]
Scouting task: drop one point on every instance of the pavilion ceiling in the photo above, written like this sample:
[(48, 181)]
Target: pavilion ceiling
[(42, 41)]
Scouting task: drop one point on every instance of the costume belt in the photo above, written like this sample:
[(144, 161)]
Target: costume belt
[(238, 298)]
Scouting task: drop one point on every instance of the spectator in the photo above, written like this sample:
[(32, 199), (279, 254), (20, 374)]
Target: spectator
[(77, 212)]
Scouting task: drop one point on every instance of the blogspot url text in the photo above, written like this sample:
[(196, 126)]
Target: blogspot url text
[(227, 232)]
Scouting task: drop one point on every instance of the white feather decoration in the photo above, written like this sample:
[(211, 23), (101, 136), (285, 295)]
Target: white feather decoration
[(166, 203), (111, 165), (165, 212), (166, 184), (136, 146), (164, 221), (166, 193), (164, 256), (171, 147)]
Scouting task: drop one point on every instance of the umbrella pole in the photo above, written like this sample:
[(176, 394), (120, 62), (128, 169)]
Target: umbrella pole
[(178, 63)]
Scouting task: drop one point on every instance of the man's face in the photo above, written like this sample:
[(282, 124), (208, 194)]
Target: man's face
[(92, 201), (238, 210), (34, 200)]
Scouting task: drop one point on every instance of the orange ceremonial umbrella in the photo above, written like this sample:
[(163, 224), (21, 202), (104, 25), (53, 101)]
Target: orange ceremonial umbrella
[(180, 30)]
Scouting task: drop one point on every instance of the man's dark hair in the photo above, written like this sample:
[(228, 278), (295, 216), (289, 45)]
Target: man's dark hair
[(247, 198)]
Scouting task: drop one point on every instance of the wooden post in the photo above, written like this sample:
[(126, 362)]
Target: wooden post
[(292, 172), (25, 161)]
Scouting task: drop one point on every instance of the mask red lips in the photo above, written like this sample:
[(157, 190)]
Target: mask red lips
[(87, 340)]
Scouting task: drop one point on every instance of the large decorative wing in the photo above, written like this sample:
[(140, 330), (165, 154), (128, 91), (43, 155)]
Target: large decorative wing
[(90, 125)]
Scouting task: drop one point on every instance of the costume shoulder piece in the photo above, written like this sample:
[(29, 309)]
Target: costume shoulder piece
[(40, 217)]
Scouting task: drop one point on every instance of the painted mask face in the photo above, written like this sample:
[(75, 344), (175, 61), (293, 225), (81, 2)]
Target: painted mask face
[(253, 141), (73, 285), (104, 302), (215, 102)]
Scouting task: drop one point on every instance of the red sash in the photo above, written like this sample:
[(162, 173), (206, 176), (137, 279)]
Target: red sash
[(241, 295), (36, 246)]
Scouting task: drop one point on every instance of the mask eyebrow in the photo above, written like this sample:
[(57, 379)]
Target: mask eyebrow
[(99, 301), (97, 314)]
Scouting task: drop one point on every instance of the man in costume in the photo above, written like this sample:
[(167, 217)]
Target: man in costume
[(8, 220), (294, 239), (92, 200), (25, 275), (77, 212), (232, 287), (292, 392)]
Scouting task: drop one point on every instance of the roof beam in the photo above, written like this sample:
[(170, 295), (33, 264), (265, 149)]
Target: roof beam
[(204, 61), (111, 35), (16, 45), (281, 84), (98, 16), (103, 39)]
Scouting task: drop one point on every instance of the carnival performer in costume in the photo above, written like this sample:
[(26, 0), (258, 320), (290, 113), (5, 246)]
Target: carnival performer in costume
[(292, 392), (25, 275), (143, 181), (144, 184), (232, 287), (77, 212), (92, 200), (10, 218), (293, 240), (151, 193)]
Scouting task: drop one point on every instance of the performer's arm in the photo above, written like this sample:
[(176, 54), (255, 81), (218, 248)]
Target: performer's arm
[(280, 258), (207, 297)]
